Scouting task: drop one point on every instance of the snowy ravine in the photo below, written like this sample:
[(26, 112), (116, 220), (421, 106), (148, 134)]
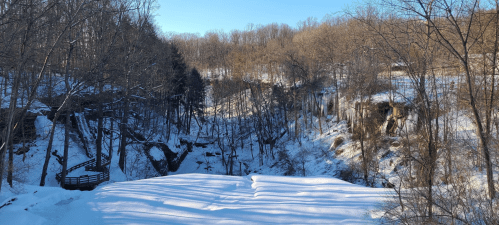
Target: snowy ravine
[(199, 199)]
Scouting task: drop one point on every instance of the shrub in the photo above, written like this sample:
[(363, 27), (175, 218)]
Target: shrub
[(337, 142)]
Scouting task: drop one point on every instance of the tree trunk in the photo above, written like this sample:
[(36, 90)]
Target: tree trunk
[(66, 148), (362, 147), (8, 132), (68, 115), (124, 122), (481, 133), (11, 163), (49, 147), (98, 143), (336, 95), (111, 139)]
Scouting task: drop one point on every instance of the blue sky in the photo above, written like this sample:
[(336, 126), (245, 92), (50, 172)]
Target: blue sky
[(199, 16)]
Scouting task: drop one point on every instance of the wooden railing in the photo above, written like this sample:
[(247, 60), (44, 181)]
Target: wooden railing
[(86, 181)]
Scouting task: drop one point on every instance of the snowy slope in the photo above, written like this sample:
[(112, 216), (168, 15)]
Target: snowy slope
[(199, 199)]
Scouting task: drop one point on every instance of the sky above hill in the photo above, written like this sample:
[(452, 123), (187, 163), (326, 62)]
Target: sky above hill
[(200, 16)]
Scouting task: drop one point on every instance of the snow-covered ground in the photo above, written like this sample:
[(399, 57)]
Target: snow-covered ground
[(195, 194), (198, 199), (189, 197)]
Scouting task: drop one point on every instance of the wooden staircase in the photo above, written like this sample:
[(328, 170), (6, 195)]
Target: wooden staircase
[(86, 182)]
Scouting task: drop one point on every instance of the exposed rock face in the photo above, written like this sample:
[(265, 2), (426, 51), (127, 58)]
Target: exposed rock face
[(159, 163), (27, 131), (171, 160), (390, 117), (397, 118), (374, 113)]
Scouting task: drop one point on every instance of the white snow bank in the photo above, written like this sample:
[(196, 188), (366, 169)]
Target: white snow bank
[(156, 153), (200, 199), (43, 126), (36, 205)]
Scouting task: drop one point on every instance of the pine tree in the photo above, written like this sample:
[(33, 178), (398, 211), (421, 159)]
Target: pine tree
[(178, 71), (194, 96)]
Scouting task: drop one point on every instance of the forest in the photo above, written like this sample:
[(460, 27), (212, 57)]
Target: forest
[(395, 94)]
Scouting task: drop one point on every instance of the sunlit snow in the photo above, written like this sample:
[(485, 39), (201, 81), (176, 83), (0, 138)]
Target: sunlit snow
[(199, 199)]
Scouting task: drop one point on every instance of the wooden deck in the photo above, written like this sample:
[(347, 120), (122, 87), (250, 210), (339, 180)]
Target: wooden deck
[(86, 182)]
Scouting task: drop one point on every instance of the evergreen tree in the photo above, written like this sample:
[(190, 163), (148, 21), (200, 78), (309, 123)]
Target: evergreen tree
[(178, 71), (194, 96)]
